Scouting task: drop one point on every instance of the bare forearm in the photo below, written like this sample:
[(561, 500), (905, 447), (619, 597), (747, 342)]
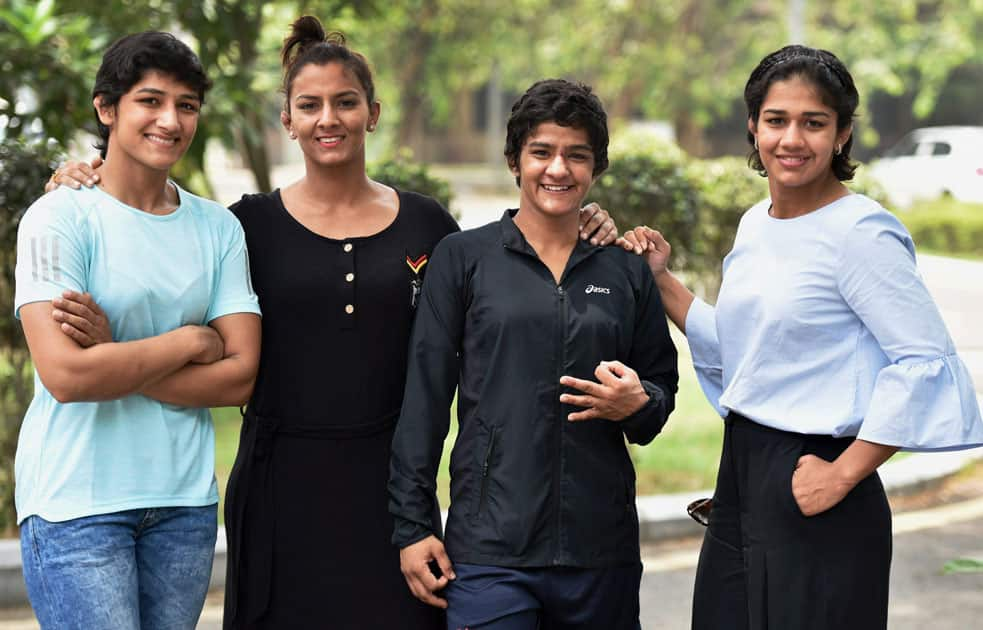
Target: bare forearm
[(676, 298), (108, 371), (861, 459), (225, 383)]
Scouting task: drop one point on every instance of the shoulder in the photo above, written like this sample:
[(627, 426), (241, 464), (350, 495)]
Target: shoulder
[(62, 206), (468, 245), (254, 205), (211, 212), (859, 216), (426, 211)]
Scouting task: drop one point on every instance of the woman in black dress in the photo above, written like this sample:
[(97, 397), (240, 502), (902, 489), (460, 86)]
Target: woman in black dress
[(337, 261)]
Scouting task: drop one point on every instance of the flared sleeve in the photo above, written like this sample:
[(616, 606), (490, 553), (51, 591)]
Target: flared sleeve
[(701, 334), (923, 399)]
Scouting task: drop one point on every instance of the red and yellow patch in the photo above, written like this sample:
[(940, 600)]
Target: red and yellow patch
[(417, 265)]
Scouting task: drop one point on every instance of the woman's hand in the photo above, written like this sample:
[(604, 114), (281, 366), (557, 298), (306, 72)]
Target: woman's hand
[(80, 318), (75, 175), (650, 243), (616, 394), (817, 485), (597, 225), (210, 347)]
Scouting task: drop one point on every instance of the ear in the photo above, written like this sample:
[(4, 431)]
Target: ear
[(285, 121), (106, 113), (844, 135), (375, 110), (752, 127), (513, 167)]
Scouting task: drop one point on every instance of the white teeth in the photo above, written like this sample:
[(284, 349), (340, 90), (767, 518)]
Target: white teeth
[(556, 188), (330, 140), (161, 139)]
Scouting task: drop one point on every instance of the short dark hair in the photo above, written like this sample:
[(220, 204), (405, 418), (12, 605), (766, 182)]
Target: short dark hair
[(308, 43), (562, 102), (825, 71), (130, 57)]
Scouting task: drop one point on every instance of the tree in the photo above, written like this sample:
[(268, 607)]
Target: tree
[(24, 166)]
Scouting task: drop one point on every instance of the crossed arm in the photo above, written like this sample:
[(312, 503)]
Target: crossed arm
[(193, 366)]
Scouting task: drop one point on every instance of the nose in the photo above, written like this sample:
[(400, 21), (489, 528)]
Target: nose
[(168, 117), (792, 135), (328, 116), (557, 167)]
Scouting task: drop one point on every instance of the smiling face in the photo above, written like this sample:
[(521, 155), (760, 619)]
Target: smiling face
[(796, 135), (329, 114), (153, 123), (555, 170)]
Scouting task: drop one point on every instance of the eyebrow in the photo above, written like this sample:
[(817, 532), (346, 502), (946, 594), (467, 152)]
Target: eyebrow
[(809, 114), (547, 145), (338, 95), (156, 92)]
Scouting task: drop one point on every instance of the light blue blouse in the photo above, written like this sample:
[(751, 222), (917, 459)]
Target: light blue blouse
[(824, 326)]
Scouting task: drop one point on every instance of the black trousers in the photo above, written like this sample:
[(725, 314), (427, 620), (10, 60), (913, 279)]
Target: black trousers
[(765, 566)]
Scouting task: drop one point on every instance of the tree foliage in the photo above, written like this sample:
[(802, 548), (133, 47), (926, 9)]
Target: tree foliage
[(24, 167)]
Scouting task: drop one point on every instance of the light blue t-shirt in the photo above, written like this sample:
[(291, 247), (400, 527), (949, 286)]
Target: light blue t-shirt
[(150, 274), (824, 326)]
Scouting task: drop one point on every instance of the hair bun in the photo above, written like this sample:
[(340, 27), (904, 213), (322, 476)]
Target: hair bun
[(306, 31)]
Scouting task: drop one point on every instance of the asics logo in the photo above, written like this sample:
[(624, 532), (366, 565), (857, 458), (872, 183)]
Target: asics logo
[(592, 289)]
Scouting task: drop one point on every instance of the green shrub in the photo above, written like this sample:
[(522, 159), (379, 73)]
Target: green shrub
[(400, 171), (651, 186), (727, 188), (24, 167), (864, 184), (946, 226)]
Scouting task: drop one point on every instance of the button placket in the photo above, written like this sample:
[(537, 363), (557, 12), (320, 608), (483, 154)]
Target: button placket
[(348, 277)]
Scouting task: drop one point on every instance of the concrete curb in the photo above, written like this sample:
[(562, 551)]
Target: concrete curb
[(661, 517)]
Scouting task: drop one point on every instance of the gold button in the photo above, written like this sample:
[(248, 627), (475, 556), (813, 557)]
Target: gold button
[(347, 247), (349, 309), (349, 277)]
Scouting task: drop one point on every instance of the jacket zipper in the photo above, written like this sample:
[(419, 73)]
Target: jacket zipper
[(484, 471), (558, 467)]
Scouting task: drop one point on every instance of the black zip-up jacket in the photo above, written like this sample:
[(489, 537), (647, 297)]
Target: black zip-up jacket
[(528, 487)]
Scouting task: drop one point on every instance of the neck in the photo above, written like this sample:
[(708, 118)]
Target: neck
[(788, 202), (545, 232), (337, 186), (137, 186)]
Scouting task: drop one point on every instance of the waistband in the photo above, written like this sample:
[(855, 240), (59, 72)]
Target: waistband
[(735, 419), (255, 484)]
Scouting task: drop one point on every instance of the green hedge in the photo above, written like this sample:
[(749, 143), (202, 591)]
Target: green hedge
[(400, 171), (946, 227), (698, 204)]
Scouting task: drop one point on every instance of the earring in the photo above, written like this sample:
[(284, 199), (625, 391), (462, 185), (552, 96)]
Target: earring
[(756, 143), (371, 127), (292, 135), (838, 149)]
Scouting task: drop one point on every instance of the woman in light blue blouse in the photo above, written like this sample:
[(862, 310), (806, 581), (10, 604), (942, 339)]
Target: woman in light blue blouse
[(825, 354)]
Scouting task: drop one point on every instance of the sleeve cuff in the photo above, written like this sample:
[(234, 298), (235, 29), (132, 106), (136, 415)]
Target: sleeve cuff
[(925, 406), (642, 426)]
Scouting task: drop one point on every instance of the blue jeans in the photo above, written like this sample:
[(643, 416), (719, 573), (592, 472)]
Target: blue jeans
[(131, 570)]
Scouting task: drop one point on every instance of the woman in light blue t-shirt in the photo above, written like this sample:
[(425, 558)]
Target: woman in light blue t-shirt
[(115, 484), (825, 354)]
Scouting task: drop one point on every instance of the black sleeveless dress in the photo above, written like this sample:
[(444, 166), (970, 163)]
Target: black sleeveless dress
[(306, 507)]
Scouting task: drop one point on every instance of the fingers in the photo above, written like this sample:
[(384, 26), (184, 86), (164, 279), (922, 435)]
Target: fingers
[(591, 217), (586, 414), (75, 175), (588, 387), (578, 401), (632, 243), (624, 244), (606, 234), (444, 562), (77, 335), (80, 304), (423, 584)]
